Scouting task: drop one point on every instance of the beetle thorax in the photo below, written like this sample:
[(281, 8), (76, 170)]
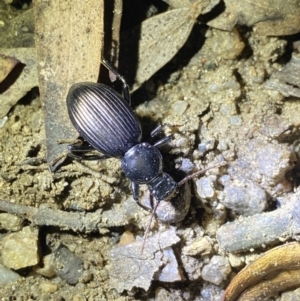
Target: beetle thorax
[(142, 163)]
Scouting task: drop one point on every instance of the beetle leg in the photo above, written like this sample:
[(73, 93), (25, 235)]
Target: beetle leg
[(80, 148), (135, 191), (163, 141), (157, 130), (77, 150), (125, 86), (87, 157)]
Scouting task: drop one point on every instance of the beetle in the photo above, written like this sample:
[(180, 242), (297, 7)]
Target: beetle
[(107, 123)]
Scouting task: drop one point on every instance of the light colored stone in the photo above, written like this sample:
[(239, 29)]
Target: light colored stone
[(47, 268), (216, 270), (20, 250), (171, 271), (48, 287), (10, 222), (7, 276), (126, 238), (206, 187), (235, 261), (179, 106), (202, 246)]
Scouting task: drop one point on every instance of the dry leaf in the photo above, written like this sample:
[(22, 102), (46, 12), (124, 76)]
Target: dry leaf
[(160, 38), (282, 258), (24, 83), (284, 280), (188, 3), (269, 17), (69, 41), (19, 30)]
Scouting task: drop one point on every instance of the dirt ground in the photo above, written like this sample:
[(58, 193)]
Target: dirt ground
[(218, 107)]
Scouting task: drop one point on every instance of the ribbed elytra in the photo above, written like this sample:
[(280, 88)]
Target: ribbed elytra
[(103, 118)]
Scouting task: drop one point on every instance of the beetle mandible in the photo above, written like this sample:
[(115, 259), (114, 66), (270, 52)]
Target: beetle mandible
[(106, 121)]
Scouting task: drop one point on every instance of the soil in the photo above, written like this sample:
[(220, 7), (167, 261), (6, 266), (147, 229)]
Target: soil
[(216, 108)]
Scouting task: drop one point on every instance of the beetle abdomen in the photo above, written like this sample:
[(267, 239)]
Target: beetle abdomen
[(103, 118)]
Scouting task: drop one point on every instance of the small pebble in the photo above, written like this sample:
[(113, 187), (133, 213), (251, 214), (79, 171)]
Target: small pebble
[(179, 107), (67, 265), (126, 238), (211, 292), (171, 271), (205, 187), (291, 295), (192, 267), (86, 277), (200, 246), (7, 276), (47, 268), (244, 197), (236, 120), (186, 165), (10, 222), (5, 118), (24, 28), (161, 294), (206, 146), (235, 261), (79, 297), (216, 270), (48, 287), (20, 249)]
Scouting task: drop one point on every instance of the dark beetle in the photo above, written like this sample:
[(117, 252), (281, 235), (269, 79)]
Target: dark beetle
[(106, 121)]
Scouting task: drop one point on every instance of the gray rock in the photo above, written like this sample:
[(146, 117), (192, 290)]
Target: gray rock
[(7, 276), (263, 229), (216, 270), (263, 162), (206, 146), (244, 197), (67, 265), (186, 165), (192, 266), (132, 268), (206, 187), (171, 271)]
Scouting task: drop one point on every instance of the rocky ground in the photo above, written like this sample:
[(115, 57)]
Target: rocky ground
[(77, 232)]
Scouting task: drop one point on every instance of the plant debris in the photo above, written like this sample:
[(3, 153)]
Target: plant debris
[(61, 41), (274, 18), (279, 265)]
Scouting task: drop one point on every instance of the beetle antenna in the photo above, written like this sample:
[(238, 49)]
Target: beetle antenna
[(196, 174), (148, 226)]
